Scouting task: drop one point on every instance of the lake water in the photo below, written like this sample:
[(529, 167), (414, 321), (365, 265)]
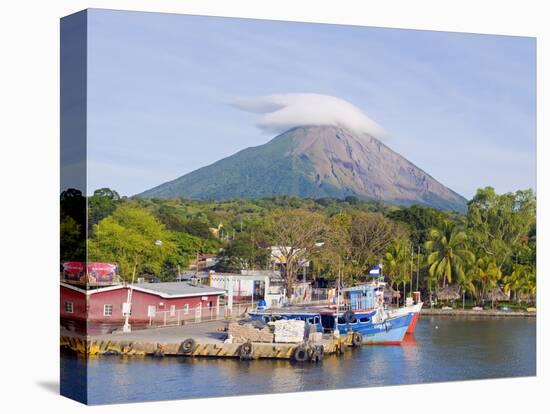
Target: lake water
[(442, 349)]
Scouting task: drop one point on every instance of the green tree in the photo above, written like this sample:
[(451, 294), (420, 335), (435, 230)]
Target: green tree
[(134, 239), (197, 227), (466, 281), (335, 253), (486, 273), (420, 221), (102, 203), (244, 253), (353, 200), (107, 193), (186, 247), (398, 264), (498, 223), (295, 233), (171, 217), (73, 225), (521, 281), (371, 235), (529, 283), (73, 240), (448, 253)]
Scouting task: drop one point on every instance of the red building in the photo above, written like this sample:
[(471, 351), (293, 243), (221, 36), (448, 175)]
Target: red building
[(155, 304)]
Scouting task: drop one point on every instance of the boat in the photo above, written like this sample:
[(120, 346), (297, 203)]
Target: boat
[(359, 311), (374, 326), (414, 309), (381, 329)]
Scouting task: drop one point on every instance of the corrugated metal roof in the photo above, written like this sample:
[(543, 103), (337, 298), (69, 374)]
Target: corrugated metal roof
[(178, 288)]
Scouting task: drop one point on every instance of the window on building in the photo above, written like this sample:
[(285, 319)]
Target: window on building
[(69, 307), (186, 309), (107, 310), (172, 310)]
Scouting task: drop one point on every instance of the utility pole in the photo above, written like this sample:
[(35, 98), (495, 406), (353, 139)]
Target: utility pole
[(417, 267), (128, 305), (197, 268), (412, 266), (336, 331)]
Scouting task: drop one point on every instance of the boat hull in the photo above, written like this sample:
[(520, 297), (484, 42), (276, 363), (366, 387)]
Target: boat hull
[(390, 332), (412, 325), (415, 310)]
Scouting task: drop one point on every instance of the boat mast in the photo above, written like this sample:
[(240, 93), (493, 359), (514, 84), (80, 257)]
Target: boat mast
[(412, 270), (338, 295), (417, 266)]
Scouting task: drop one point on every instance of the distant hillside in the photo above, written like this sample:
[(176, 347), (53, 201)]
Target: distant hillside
[(315, 161)]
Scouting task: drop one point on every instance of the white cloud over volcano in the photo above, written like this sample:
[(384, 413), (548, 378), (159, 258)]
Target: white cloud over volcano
[(284, 111)]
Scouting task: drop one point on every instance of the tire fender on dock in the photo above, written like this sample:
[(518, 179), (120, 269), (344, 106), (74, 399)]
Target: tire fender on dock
[(159, 352), (356, 339), (318, 354), (188, 346), (246, 350), (301, 354)]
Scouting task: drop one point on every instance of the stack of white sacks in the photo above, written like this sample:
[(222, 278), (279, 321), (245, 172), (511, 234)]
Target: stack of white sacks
[(288, 331)]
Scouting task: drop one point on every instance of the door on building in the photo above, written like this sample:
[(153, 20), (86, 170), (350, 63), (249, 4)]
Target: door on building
[(259, 289), (198, 313)]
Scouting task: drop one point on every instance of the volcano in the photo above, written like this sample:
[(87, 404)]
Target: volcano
[(314, 162)]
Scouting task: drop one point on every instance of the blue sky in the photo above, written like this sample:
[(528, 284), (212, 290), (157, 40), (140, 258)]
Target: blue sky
[(460, 106)]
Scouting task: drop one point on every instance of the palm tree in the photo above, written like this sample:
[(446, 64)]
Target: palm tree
[(397, 262), (466, 283), (431, 281), (512, 282), (529, 282), (486, 272), (447, 253), (521, 280)]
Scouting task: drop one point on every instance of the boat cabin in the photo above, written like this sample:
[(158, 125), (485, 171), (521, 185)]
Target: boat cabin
[(362, 297)]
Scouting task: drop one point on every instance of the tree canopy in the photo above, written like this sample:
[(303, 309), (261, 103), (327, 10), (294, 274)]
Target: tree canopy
[(134, 239), (492, 245)]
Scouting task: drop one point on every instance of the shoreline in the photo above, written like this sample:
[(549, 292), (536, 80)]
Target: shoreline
[(483, 313)]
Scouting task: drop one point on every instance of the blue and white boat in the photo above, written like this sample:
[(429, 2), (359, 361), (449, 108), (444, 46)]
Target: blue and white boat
[(359, 310), (366, 315)]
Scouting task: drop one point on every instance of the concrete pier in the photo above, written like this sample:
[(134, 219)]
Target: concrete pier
[(207, 341)]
